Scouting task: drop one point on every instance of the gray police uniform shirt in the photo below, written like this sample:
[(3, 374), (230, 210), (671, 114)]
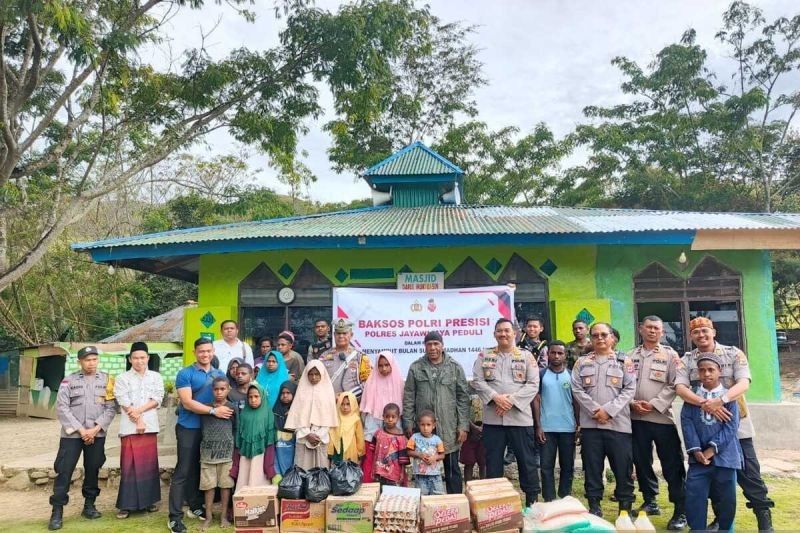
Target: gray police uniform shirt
[(655, 381), (515, 373), (348, 379), (83, 402), (734, 368), (603, 381)]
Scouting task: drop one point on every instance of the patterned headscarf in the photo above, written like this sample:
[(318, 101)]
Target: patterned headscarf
[(700, 322)]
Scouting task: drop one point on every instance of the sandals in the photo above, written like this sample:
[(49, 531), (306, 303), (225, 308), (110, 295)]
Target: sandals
[(122, 514)]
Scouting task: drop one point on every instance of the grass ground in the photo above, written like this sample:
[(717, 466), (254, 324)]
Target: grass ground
[(784, 491)]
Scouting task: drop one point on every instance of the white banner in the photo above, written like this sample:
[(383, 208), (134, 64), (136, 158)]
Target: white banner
[(385, 319)]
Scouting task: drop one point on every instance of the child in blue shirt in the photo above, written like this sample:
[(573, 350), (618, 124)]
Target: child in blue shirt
[(427, 450), (713, 449)]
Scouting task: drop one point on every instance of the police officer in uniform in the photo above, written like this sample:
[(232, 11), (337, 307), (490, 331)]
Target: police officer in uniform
[(322, 339), (604, 387), (347, 367), (652, 421), (736, 378), (506, 379), (85, 406)]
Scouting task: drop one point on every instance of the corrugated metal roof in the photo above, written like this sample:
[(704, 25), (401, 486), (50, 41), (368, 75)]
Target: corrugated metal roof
[(166, 327), (413, 160), (390, 221)]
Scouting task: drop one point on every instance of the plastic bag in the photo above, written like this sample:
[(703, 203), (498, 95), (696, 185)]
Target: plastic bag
[(292, 486), (317, 484), (346, 478)]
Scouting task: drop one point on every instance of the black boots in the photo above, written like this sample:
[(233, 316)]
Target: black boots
[(56, 518), (764, 519), (595, 509), (651, 508), (678, 520), (89, 510)]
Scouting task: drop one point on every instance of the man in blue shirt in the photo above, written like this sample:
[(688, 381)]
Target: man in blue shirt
[(555, 414), (194, 386)]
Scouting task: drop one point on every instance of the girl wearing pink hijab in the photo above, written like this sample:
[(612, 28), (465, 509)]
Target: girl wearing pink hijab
[(381, 388)]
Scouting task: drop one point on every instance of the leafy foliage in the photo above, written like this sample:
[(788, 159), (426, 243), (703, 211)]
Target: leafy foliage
[(686, 141), (503, 168), (83, 114)]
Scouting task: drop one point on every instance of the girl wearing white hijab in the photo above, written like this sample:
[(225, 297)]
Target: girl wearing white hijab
[(312, 415)]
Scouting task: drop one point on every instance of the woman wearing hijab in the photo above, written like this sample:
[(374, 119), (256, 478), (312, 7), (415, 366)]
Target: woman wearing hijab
[(284, 442), (273, 373), (255, 439), (233, 366), (312, 415), (347, 440), (383, 387)]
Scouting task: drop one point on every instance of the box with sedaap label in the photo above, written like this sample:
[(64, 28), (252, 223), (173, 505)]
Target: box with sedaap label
[(445, 514), (354, 513), (494, 505), (301, 516), (255, 509)]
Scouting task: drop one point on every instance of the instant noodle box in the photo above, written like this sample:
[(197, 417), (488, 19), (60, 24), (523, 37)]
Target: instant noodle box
[(301, 516), (494, 483), (255, 509), (495, 510), (352, 514), (445, 514)]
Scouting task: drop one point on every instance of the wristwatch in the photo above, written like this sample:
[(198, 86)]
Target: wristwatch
[(213, 411)]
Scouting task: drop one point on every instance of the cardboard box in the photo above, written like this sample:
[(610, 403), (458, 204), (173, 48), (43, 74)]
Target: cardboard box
[(301, 516), (445, 514), (352, 514), (495, 511), (494, 482), (370, 488), (255, 509)]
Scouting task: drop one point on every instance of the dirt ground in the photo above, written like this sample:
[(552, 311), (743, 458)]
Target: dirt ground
[(26, 437), (36, 503)]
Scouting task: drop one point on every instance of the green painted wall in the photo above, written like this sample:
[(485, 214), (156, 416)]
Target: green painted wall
[(599, 278), (616, 266), (220, 274)]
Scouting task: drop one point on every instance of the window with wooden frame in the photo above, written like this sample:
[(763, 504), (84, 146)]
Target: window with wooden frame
[(712, 290)]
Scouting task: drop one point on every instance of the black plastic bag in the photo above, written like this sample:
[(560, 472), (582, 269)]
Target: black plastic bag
[(292, 485), (317, 484), (345, 478)]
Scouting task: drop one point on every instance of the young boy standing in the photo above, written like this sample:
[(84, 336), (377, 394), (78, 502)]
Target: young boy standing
[(238, 394), (713, 449), (427, 450), (555, 416), (216, 453)]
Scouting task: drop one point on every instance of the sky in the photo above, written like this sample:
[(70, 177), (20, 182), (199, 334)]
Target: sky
[(545, 60)]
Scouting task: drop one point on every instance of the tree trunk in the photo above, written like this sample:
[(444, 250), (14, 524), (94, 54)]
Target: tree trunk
[(3, 243)]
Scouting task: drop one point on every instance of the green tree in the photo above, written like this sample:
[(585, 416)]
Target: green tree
[(686, 141), (786, 284), (82, 113), (430, 88), (505, 168)]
